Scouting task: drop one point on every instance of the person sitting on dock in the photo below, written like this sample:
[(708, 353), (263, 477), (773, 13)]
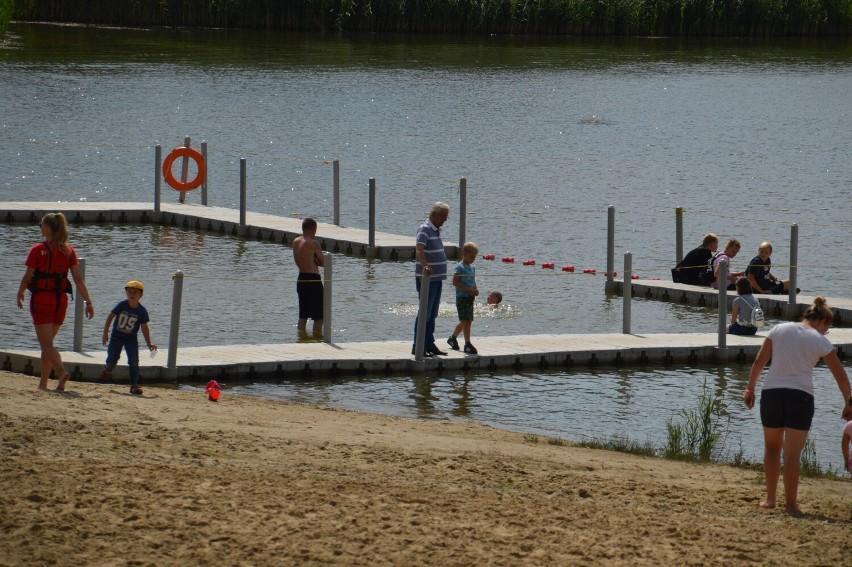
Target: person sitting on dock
[(693, 269), (732, 248), (745, 306), (761, 279)]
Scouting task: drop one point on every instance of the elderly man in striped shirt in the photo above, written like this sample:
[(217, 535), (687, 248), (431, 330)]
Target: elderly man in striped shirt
[(431, 263)]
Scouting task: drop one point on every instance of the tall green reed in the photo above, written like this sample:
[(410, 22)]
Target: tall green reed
[(698, 431)]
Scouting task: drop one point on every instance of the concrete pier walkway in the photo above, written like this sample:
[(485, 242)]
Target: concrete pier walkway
[(259, 226), (772, 305), (525, 353)]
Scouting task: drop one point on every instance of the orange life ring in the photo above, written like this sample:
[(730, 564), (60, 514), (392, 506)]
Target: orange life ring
[(183, 151)]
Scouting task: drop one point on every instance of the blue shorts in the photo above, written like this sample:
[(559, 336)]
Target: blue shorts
[(786, 407)]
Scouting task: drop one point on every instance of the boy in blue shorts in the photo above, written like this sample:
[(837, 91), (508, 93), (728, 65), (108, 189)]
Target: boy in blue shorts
[(464, 280), (129, 316)]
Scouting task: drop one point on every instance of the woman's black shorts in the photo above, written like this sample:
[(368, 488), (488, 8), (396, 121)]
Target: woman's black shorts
[(786, 407)]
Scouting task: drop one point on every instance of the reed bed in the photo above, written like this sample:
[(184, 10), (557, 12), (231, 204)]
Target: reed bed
[(691, 18), (6, 8)]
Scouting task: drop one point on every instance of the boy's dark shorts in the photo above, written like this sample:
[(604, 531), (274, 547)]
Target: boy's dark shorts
[(310, 291), (464, 305), (786, 407)]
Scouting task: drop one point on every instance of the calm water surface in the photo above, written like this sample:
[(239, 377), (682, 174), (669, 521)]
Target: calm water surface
[(748, 137)]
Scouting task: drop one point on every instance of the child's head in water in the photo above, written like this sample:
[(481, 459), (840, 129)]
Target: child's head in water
[(494, 298)]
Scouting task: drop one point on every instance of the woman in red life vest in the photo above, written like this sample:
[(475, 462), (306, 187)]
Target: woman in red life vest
[(46, 277)]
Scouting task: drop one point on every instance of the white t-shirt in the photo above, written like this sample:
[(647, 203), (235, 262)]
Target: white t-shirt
[(795, 351)]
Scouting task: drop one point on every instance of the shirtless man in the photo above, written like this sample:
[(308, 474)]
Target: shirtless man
[(308, 256)]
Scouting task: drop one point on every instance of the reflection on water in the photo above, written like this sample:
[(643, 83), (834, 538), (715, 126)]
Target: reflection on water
[(505, 310)]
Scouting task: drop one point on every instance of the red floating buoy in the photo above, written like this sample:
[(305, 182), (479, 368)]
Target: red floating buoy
[(567, 268), (488, 256), (508, 259), (548, 265), (529, 262), (634, 277), (589, 271)]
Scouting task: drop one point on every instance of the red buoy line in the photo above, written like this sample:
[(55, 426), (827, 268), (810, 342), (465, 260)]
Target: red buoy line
[(549, 265)]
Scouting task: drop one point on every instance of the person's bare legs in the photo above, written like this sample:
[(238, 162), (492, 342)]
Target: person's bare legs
[(466, 329), (318, 329), (50, 357), (794, 443), (457, 332), (773, 443)]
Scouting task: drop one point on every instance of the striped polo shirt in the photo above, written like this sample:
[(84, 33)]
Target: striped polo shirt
[(430, 236)]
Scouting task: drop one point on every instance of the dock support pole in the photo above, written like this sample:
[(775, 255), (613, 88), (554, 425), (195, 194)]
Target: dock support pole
[(422, 315), (204, 184), (79, 311), (627, 293), (177, 294), (336, 179), (678, 235), (326, 298), (242, 196), (610, 250), (158, 177), (462, 211), (184, 170), (792, 307), (371, 238), (723, 304)]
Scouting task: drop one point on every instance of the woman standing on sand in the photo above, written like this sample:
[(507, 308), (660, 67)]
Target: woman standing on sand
[(46, 277), (787, 399)]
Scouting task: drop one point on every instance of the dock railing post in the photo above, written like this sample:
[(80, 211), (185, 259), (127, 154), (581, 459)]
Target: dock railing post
[(79, 311), (627, 292), (371, 238), (243, 190), (723, 303), (204, 183), (177, 294), (792, 307), (420, 339), (326, 298), (158, 177), (462, 211), (678, 235), (610, 250), (336, 180), (184, 170)]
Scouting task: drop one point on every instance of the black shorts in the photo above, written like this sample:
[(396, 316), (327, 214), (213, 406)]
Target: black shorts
[(309, 288), (786, 407)]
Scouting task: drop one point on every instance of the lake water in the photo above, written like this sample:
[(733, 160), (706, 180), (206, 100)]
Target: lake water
[(748, 137)]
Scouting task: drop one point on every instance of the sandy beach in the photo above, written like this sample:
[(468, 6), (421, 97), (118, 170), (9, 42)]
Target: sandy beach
[(95, 476)]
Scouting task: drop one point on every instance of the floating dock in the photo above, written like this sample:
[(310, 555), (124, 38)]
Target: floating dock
[(264, 362), (219, 220), (524, 353), (773, 305)]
